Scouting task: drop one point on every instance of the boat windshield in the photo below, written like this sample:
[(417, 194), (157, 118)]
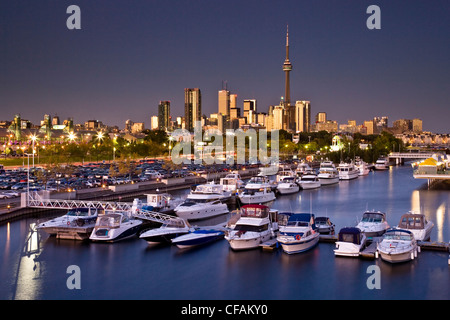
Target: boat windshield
[(79, 212), (250, 228), (372, 217), (401, 236), (297, 224), (110, 220)]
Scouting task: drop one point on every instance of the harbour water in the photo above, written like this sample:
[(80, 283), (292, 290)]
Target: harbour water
[(33, 267)]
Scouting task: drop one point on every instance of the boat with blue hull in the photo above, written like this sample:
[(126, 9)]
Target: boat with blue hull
[(299, 234), (198, 237)]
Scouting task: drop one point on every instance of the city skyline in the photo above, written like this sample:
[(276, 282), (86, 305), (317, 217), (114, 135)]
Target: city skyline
[(128, 57)]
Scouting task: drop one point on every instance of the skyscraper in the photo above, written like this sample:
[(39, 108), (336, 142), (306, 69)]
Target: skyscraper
[(192, 107), (224, 102), (302, 116), (164, 115)]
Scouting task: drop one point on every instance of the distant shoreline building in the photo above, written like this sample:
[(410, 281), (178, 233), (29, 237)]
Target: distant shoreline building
[(192, 107)]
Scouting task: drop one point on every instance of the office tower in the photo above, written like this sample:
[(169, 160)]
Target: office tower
[(55, 121), (249, 105), (370, 127), (192, 107), (321, 117), (224, 102), (164, 115), (235, 113), (302, 116), (233, 100), (154, 122)]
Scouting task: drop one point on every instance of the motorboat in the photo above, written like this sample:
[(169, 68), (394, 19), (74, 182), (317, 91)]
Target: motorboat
[(76, 224), (256, 224), (167, 231), (398, 245), (288, 186), (302, 169), (417, 224), (258, 190), (284, 173), (198, 208), (210, 191), (232, 182), (324, 225), (300, 233), (309, 181), (373, 223), (156, 202), (382, 163), (198, 237), (351, 241), (115, 226), (328, 173), (362, 166), (347, 171)]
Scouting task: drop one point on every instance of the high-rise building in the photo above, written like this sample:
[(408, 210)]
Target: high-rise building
[(417, 125), (321, 117), (233, 100), (164, 115), (249, 105), (224, 102), (302, 116), (192, 107)]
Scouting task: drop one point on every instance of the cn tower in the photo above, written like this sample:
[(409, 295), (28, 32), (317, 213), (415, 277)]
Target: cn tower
[(287, 67), (289, 112)]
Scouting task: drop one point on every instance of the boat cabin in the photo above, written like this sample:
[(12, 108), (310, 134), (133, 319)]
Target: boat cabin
[(352, 235), (158, 200), (255, 211), (111, 220), (412, 221), (301, 220)]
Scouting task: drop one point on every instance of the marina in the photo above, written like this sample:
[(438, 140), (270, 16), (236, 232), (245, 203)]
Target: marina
[(207, 244)]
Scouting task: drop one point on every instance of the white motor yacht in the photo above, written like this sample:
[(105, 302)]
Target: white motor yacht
[(257, 190), (232, 182), (200, 208), (417, 224), (256, 224), (382, 164), (166, 232), (76, 224), (309, 181), (156, 202), (115, 226), (351, 241), (288, 186), (209, 191), (347, 171), (373, 223), (284, 173), (328, 173), (299, 234), (362, 167), (398, 245), (302, 169)]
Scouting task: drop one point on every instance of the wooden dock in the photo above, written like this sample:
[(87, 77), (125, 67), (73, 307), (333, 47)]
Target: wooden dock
[(270, 245), (434, 245)]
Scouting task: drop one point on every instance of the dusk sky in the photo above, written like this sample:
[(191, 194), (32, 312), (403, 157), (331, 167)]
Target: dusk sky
[(129, 55)]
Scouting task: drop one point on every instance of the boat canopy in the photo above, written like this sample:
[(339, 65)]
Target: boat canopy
[(412, 221), (352, 235), (254, 211)]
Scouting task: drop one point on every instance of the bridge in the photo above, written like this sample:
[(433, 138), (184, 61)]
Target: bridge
[(36, 200), (401, 156)]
